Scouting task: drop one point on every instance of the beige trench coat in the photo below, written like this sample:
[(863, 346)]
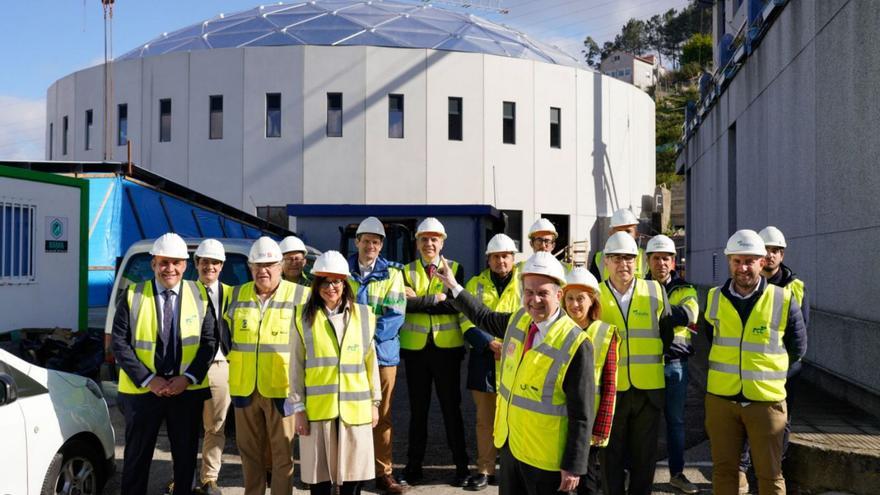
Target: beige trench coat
[(328, 452)]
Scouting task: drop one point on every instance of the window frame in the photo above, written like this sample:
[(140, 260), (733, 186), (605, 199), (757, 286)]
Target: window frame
[(273, 117), (332, 112), (505, 120), (121, 130), (392, 98), (16, 252), (165, 120), (215, 117), (89, 126), (556, 128), (455, 121)]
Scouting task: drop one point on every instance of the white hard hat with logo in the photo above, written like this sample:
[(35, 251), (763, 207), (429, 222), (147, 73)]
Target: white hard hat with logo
[(745, 242), (371, 225), (544, 263), (431, 225), (331, 264), (581, 277), (264, 250), (500, 243), (660, 244), (621, 243), (170, 245), (623, 217), (210, 249), (772, 237), (292, 243), (542, 226)]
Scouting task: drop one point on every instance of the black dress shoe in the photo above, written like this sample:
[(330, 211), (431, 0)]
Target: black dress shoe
[(461, 477), (410, 476), (477, 482)]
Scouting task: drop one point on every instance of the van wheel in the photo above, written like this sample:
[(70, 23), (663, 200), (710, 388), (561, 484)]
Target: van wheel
[(75, 470)]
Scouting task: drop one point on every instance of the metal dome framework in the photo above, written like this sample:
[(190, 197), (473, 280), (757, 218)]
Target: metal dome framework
[(358, 23)]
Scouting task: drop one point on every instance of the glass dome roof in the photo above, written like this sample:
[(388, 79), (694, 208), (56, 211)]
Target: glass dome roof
[(354, 22)]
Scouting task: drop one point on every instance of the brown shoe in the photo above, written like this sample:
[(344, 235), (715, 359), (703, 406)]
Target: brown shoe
[(387, 484)]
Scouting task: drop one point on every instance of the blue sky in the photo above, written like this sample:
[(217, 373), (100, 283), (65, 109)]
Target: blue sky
[(44, 40)]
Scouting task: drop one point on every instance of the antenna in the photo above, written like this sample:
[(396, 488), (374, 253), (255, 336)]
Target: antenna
[(486, 5), (107, 5)]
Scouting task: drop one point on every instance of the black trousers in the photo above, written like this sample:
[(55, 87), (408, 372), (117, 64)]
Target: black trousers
[(144, 414), (442, 368), (592, 481), (326, 488), (633, 442), (519, 478)]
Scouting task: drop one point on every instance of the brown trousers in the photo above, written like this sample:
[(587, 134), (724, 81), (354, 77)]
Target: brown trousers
[(382, 438), (214, 420), (728, 423), (486, 451), (256, 426)]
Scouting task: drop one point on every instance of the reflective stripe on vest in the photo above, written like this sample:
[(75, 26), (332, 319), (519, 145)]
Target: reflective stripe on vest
[(259, 357), (144, 325), (484, 289), (685, 297), (532, 413), (600, 334), (336, 380), (749, 359), (445, 329), (641, 350)]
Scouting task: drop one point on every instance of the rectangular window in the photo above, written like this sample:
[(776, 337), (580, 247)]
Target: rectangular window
[(165, 120), (16, 242), (273, 115), (627, 72), (395, 116), (513, 225), (121, 124), (89, 121), (274, 214), (456, 112), (334, 114), (509, 123), (555, 127), (64, 128), (215, 119), (51, 139)]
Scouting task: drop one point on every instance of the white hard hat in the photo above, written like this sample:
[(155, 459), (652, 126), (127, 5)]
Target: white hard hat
[(621, 243), (660, 244), (431, 225), (544, 263), (745, 242), (211, 249), (292, 243), (542, 225), (371, 225), (170, 245), (264, 250), (772, 237), (581, 277), (500, 243), (331, 264), (623, 217)]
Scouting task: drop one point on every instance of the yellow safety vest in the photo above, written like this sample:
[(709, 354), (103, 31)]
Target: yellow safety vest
[(144, 322), (797, 290), (600, 334), (641, 265), (641, 350), (260, 353), (749, 359), (509, 301), (385, 293), (445, 329), (531, 414), (684, 296), (336, 377)]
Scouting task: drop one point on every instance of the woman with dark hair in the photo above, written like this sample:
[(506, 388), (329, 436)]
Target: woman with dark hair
[(334, 382), (581, 302)]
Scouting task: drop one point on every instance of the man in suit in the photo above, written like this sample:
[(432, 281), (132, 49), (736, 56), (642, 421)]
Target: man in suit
[(164, 341)]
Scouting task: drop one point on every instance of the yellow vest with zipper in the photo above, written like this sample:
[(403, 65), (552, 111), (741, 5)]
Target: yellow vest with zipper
[(260, 354), (749, 359), (600, 334), (336, 378), (641, 350), (531, 414), (144, 322), (444, 329)]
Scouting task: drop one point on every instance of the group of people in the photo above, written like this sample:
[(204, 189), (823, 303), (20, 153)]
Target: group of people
[(570, 369)]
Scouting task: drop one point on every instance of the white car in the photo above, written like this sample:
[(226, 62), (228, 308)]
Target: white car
[(56, 431)]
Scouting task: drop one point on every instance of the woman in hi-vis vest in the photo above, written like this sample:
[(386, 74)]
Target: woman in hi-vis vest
[(334, 382), (581, 302)]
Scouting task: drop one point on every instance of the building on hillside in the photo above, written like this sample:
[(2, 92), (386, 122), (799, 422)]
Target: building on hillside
[(640, 71), (335, 102), (785, 134)]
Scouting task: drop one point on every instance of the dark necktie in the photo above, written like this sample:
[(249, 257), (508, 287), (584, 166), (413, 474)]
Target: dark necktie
[(210, 292), (167, 315), (431, 269), (530, 338)]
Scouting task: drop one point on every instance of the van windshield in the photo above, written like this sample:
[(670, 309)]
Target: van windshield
[(235, 270)]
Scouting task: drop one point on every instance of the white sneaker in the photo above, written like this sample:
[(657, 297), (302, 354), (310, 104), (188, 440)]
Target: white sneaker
[(683, 484)]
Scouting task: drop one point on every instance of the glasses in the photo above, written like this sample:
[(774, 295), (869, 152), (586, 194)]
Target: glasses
[(334, 282), (264, 266), (622, 258), (544, 240), (293, 261)]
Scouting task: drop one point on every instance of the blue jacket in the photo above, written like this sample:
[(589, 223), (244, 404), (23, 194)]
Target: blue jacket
[(390, 320)]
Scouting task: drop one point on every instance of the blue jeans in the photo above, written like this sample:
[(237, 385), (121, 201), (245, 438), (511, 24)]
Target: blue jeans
[(676, 374)]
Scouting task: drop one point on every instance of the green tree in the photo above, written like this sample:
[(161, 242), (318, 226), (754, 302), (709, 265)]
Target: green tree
[(592, 52), (697, 49), (632, 37)]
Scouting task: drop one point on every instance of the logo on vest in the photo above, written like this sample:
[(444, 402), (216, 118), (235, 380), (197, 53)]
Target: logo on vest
[(759, 330), (244, 325), (639, 312), (353, 347), (511, 349)]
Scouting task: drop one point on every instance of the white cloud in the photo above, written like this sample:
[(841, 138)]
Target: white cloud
[(22, 128)]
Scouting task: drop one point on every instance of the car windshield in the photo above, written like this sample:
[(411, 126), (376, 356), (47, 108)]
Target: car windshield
[(235, 270)]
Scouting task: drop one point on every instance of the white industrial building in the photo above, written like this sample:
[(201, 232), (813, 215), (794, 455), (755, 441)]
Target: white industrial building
[(368, 102)]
